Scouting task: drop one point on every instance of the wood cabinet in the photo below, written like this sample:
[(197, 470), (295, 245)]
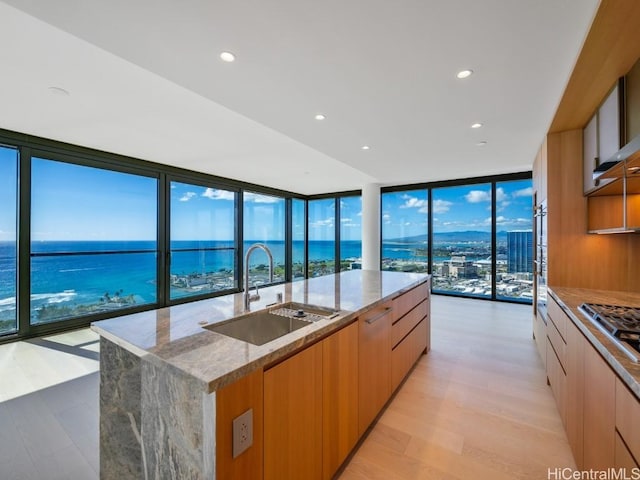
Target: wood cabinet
[(627, 450), (293, 417), (622, 456), (311, 409), (374, 363), (599, 411), (409, 331), (574, 423), (339, 398), (540, 173), (557, 379), (556, 355), (540, 336), (232, 401)]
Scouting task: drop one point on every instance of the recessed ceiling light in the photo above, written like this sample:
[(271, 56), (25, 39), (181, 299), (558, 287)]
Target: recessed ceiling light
[(482, 143), (59, 91), (227, 57), (476, 125), (320, 116), (464, 73), (365, 147)]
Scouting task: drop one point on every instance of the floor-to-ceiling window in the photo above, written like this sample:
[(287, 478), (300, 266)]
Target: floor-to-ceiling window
[(514, 264), (480, 243), (93, 240), (8, 239), (322, 236), (264, 222), (462, 239), (202, 240), (298, 234), (405, 231), (350, 233)]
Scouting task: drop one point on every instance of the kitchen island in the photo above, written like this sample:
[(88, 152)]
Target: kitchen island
[(170, 388)]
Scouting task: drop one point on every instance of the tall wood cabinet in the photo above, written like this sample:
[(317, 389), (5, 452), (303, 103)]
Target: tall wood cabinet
[(374, 363), (339, 398), (574, 422), (293, 417), (599, 411)]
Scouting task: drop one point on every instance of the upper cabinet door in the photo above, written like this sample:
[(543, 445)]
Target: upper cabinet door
[(609, 126), (590, 152)]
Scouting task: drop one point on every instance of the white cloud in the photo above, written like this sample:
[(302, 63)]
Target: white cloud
[(477, 196), (359, 214), (346, 220), (413, 202), (187, 196), (327, 222), (441, 206), (525, 192), (259, 198), (215, 194), (500, 195), (386, 216)]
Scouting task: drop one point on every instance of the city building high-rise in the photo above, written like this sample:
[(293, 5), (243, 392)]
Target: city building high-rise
[(520, 251)]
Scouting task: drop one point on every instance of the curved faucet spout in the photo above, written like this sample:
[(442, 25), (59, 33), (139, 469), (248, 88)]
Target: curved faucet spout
[(248, 298)]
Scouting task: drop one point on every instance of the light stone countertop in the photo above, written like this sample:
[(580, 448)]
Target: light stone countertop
[(173, 337), (570, 299)]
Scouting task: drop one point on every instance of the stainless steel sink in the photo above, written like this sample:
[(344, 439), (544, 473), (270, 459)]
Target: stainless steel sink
[(264, 326)]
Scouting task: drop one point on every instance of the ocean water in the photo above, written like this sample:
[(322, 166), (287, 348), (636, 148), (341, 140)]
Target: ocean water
[(85, 278)]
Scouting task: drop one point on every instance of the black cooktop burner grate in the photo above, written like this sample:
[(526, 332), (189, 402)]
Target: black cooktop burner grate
[(617, 319)]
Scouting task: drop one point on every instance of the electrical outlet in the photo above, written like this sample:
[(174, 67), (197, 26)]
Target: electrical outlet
[(242, 432)]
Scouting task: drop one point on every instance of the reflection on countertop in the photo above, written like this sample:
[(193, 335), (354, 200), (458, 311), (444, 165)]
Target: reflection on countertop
[(175, 337)]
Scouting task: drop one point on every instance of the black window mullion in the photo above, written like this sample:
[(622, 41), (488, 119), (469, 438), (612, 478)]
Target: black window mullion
[(288, 240), (163, 240), (430, 231), (494, 241), (23, 291), (306, 239), (337, 234), (239, 266)]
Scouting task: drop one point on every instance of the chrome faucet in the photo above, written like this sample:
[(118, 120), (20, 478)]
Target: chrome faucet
[(248, 298)]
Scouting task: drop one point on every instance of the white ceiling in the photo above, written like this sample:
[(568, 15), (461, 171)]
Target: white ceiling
[(145, 80)]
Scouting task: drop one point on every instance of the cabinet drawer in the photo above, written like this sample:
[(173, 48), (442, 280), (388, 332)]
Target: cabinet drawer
[(628, 418), (558, 317), (557, 381), (406, 323), (623, 457), (408, 300), (407, 352), (558, 344)]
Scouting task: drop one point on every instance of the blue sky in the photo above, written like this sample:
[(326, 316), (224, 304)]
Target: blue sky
[(404, 214), (322, 221), (71, 202)]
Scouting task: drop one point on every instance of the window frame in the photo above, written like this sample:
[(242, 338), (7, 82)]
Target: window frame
[(493, 180)]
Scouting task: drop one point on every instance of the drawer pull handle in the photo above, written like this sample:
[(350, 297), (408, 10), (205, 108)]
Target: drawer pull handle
[(378, 317)]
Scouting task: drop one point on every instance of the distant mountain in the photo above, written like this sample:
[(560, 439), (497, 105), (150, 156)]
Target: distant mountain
[(443, 237)]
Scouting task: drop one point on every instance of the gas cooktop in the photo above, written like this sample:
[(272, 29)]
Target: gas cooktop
[(620, 323)]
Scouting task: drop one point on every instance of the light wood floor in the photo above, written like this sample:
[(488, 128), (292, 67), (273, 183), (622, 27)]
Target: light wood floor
[(477, 406)]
